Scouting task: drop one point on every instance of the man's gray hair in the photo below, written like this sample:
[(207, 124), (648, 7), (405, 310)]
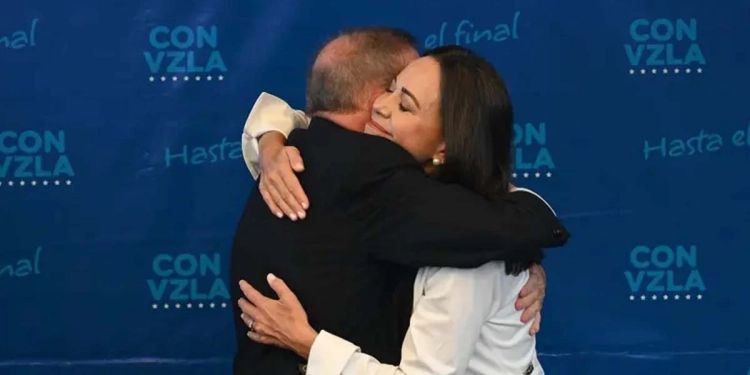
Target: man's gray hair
[(351, 63)]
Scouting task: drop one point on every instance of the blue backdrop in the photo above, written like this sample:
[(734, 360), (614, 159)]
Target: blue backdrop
[(121, 178)]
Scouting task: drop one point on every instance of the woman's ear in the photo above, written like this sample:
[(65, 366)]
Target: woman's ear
[(438, 158)]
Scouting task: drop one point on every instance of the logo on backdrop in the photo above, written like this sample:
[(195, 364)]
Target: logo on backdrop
[(531, 155), (32, 158), (664, 46), (204, 154), (24, 266), (20, 39), (466, 33), (664, 273), (187, 281), (704, 142), (184, 53)]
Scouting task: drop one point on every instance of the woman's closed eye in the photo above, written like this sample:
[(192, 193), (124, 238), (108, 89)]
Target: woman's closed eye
[(402, 107)]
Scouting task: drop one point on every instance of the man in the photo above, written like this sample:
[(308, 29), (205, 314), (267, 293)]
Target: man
[(375, 217)]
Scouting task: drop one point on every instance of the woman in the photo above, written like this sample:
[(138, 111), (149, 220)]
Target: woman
[(464, 321)]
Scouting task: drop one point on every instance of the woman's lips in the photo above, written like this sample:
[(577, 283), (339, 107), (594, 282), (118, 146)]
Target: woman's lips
[(379, 127)]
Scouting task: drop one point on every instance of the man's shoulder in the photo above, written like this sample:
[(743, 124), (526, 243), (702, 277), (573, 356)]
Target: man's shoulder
[(327, 138), (381, 151)]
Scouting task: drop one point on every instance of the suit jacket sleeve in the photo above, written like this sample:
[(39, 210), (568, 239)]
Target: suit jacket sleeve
[(418, 221)]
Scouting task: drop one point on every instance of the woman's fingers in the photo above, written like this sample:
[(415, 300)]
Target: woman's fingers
[(529, 298), (295, 159), (531, 311), (275, 209), (279, 200), (537, 324), (252, 294), (252, 313), (291, 180), (249, 322), (282, 178), (282, 290)]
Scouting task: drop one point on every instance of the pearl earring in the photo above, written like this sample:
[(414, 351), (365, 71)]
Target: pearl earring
[(436, 161)]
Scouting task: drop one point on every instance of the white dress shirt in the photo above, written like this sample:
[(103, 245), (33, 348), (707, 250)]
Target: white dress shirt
[(464, 321), (269, 113)]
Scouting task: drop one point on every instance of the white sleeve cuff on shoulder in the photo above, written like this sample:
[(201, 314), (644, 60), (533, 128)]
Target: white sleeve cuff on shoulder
[(270, 113)]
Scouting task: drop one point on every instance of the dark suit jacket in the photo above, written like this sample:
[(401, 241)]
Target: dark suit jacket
[(374, 218)]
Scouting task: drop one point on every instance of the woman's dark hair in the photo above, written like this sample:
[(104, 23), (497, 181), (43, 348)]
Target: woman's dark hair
[(477, 117)]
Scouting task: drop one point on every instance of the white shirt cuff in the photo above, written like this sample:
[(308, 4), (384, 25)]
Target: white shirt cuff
[(329, 354)]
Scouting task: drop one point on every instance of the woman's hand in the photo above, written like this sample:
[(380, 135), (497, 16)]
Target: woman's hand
[(281, 322), (278, 184), (531, 298)]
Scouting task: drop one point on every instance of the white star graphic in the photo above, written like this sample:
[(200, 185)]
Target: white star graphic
[(515, 175), (212, 305), (221, 78), (223, 305), (676, 296), (166, 305), (209, 78), (549, 174), (699, 70), (643, 298), (632, 71), (177, 306), (200, 305), (68, 182), (163, 78), (653, 297), (174, 78), (632, 297), (33, 182), (45, 183), (537, 174), (665, 71), (666, 297), (687, 297), (10, 183), (197, 78), (22, 183), (154, 306), (189, 305), (57, 182), (687, 70), (700, 296), (653, 71), (643, 71), (525, 174), (676, 70), (186, 78), (151, 78)]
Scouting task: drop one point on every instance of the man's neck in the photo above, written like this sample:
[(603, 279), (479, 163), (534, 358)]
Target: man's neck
[(354, 121)]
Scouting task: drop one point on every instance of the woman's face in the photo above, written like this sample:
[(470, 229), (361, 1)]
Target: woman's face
[(408, 113)]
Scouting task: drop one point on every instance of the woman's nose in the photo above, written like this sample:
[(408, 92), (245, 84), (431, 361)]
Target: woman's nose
[(381, 109), (384, 107)]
